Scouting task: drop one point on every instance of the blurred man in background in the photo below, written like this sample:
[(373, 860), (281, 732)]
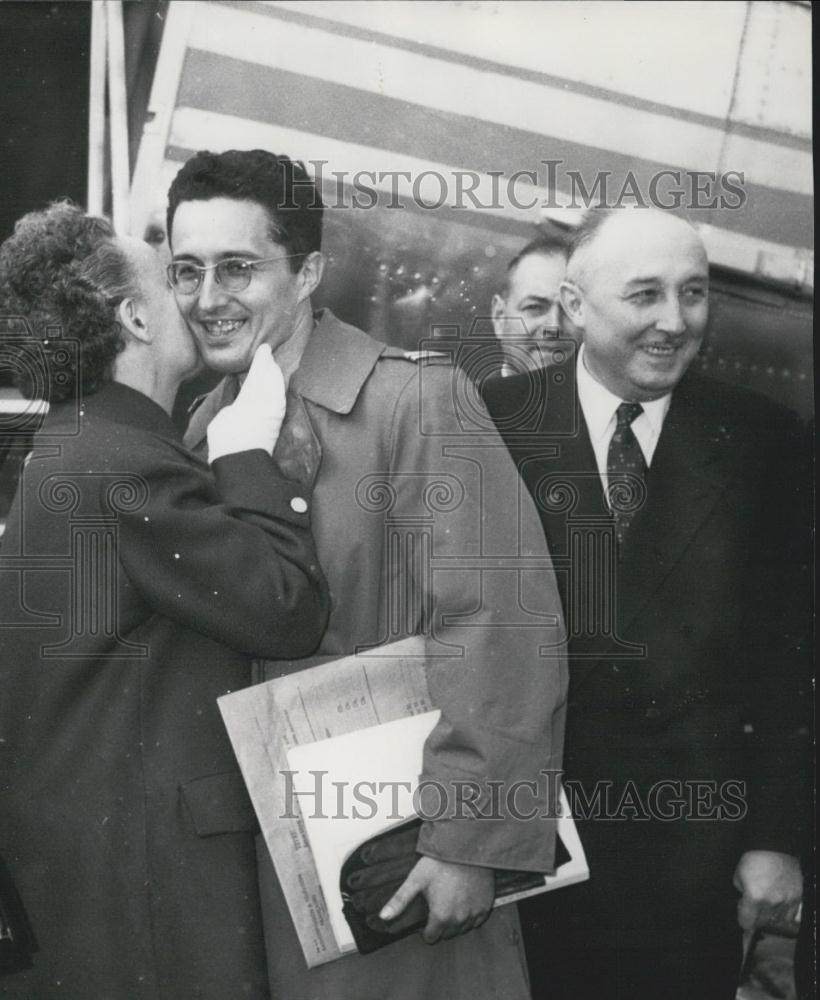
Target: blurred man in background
[(526, 313)]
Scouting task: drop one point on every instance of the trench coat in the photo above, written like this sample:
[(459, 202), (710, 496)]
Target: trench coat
[(134, 588), (423, 528)]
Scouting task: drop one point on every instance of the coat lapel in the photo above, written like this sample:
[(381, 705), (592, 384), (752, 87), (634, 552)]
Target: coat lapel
[(336, 364), (692, 466), (221, 395), (590, 513), (298, 452), (558, 464), (563, 472), (552, 446)]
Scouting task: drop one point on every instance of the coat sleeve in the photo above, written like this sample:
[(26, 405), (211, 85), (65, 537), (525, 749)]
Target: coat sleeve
[(475, 562), (229, 555)]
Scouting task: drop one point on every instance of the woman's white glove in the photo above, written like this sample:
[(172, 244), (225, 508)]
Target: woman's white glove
[(254, 418)]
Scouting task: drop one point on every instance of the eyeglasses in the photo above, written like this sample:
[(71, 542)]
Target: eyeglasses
[(233, 273)]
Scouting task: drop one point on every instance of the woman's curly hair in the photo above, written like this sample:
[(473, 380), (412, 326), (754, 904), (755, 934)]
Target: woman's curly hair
[(62, 276)]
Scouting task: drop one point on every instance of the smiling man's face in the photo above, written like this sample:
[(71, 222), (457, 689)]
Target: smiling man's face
[(642, 287), (528, 317), (229, 326)]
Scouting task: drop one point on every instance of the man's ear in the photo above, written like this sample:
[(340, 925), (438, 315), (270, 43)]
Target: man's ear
[(497, 310), (310, 274), (133, 319), (572, 302)]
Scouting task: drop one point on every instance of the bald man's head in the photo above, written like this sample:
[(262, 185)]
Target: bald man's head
[(637, 286)]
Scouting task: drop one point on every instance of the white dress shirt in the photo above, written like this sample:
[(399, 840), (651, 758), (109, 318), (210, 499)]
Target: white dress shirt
[(600, 406)]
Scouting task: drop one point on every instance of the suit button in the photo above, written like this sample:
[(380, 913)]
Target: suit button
[(299, 505)]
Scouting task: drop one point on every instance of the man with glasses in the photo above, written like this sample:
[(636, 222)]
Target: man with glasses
[(411, 519)]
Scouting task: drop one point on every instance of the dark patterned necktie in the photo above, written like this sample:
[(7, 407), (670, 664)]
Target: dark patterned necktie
[(626, 471)]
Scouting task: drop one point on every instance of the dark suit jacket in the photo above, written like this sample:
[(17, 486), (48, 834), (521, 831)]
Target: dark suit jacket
[(131, 581), (687, 656)]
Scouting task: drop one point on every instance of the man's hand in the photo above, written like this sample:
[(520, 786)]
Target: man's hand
[(459, 897), (255, 417), (771, 885)]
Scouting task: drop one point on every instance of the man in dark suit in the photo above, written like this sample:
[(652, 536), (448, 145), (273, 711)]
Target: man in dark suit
[(674, 508)]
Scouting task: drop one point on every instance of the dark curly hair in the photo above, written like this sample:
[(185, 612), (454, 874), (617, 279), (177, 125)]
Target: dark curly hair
[(280, 185), (62, 276)]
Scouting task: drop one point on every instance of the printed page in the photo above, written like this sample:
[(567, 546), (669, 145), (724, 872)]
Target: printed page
[(265, 721)]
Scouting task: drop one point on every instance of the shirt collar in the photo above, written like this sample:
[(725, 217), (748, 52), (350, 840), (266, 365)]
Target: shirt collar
[(656, 410), (599, 404)]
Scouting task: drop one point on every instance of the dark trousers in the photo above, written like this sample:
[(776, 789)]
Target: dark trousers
[(564, 973), (634, 975)]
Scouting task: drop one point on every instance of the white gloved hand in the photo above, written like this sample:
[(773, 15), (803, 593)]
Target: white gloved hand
[(255, 417)]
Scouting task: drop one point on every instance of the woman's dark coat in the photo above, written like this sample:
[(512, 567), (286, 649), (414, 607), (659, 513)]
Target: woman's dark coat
[(132, 582)]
